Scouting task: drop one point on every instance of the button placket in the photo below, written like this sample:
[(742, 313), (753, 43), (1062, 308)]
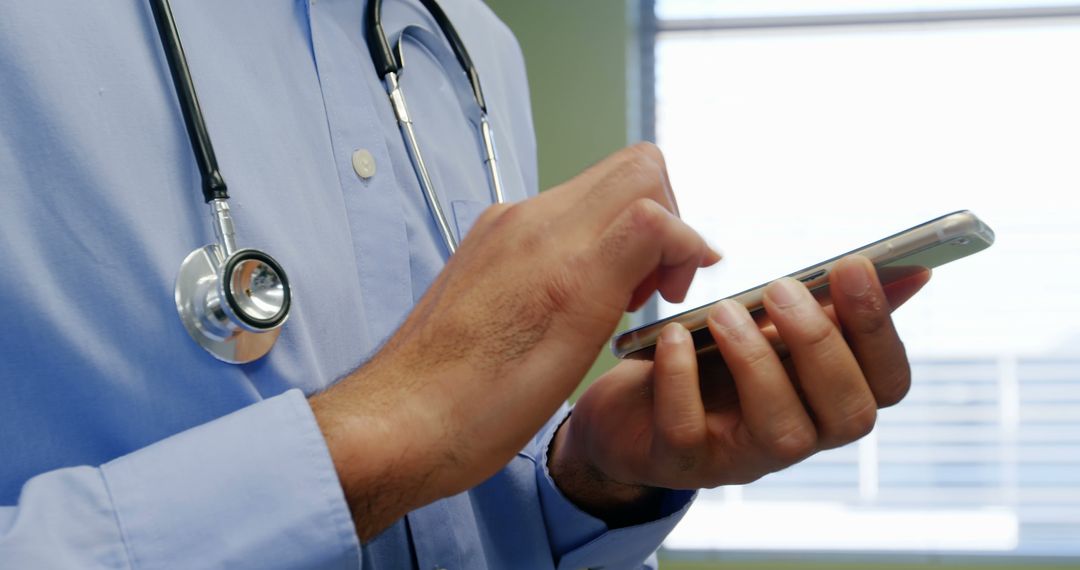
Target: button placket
[(376, 218)]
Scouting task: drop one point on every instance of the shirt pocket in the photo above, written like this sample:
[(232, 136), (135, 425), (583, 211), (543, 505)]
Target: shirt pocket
[(465, 214)]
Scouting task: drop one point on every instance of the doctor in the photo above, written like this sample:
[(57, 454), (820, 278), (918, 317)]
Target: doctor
[(409, 414)]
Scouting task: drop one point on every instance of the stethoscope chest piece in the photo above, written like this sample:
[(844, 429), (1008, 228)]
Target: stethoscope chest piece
[(233, 306), (234, 301), (231, 301)]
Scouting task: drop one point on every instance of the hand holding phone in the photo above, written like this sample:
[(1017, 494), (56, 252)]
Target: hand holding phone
[(897, 257), (769, 396)]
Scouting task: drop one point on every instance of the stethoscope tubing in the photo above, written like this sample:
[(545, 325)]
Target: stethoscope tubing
[(386, 61), (389, 64), (213, 183), (210, 275), (412, 146)]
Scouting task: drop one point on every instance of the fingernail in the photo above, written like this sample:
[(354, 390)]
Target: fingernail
[(853, 277), (786, 292), (729, 314), (674, 334)]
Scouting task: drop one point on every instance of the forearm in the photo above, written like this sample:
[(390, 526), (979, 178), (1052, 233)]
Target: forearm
[(375, 453), (384, 476)]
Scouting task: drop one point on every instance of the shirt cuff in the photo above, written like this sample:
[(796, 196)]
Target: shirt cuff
[(256, 489), (580, 540)]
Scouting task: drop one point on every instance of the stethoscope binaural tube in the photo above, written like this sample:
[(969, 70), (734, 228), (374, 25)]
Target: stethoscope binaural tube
[(231, 301), (388, 65)]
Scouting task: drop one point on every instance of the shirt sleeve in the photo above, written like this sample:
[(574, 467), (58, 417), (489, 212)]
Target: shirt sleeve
[(253, 489), (580, 540)]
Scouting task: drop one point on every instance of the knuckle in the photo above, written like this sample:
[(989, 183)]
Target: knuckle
[(535, 242), (872, 321), (645, 160), (491, 213), (792, 445), (818, 333), (856, 425), (743, 344), (520, 226), (678, 370), (758, 354), (505, 217), (739, 334), (646, 215), (648, 150), (684, 437)]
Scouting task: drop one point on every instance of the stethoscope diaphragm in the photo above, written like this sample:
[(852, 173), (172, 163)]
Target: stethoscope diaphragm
[(232, 306)]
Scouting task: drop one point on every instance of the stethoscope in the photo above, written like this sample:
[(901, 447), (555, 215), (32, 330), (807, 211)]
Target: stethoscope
[(233, 301)]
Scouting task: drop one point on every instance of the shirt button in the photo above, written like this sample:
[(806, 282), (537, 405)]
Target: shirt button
[(363, 163)]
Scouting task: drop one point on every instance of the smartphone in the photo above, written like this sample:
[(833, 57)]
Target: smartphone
[(924, 246)]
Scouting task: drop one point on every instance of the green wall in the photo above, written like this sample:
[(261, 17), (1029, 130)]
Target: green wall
[(578, 56)]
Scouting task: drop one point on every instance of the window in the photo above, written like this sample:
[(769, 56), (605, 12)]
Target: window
[(797, 129), (669, 11)]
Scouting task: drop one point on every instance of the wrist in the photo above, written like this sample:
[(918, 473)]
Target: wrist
[(376, 469), (581, 481)]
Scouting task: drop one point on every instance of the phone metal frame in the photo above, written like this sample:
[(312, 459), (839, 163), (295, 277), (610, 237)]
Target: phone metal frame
[(927, 245)]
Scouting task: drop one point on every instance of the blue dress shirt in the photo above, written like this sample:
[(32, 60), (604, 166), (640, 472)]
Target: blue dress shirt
[(122, 443)]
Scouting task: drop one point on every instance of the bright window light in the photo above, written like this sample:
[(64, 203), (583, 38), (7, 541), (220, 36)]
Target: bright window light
[(786, 146), (694, 9)]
